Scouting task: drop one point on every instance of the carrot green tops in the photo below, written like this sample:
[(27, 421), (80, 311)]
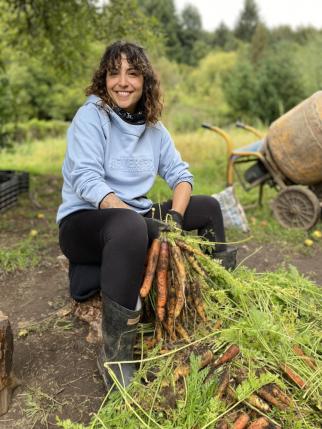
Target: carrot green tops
[(106, 154)]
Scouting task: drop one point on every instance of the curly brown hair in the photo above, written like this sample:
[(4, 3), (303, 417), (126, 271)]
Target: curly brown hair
[(150, 101)]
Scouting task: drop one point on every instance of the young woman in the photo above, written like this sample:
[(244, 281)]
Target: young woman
[(116, 148)]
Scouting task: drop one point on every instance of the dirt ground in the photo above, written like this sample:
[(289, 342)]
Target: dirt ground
[(55, 366)]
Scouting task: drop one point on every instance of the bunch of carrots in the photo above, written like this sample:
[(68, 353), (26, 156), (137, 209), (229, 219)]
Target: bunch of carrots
[(252, 412), (173, 268)]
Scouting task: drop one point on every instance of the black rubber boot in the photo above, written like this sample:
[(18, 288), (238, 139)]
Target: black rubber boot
[(119, 329), (227, 257)]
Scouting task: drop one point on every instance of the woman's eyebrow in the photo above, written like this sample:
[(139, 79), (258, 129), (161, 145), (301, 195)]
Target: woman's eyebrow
[(131, 68)]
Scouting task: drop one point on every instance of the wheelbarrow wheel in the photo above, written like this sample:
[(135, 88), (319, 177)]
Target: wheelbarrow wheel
[(296, 207)]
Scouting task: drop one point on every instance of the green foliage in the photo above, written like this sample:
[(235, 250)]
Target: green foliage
[(224, 38), (5, 106), (241, 89), (253, 383), (247, 21), (68, 424), (165, 14), (196, 95), (268, 88), (123, 19), (193, 45), (51, 30), (309, 64), (34, 129), (45, 65), (19, 257), (259, 43), (194, 411)]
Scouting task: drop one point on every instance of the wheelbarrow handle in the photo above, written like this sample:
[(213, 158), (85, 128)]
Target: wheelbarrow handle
[(240, 124), (207, 126)]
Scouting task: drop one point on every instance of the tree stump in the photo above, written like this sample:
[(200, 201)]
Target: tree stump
[(90, 311), (6, 352)]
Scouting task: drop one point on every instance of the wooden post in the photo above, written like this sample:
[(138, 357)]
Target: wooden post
[(6, 352)]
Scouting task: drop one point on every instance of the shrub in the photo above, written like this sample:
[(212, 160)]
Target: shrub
[(35, 129)]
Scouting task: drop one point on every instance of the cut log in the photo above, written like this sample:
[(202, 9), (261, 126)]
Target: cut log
[(6, 352)]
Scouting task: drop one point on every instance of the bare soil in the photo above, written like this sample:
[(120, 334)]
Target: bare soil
[(55, 365)]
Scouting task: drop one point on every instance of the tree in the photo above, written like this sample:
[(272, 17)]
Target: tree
[(247, 22), (124, 19), (268, 89), (224, 38), (191, 19), (191, 38), (259, 43), (57, 31), (164, 13)]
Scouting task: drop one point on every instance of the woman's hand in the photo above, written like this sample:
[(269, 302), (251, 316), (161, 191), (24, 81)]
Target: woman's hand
[(111, 201)]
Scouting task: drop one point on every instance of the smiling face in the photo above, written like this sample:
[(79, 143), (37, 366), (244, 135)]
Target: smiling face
[(124, 85)]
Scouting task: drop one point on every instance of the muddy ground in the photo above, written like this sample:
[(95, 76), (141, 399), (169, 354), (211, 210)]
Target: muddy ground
[(54, 364)]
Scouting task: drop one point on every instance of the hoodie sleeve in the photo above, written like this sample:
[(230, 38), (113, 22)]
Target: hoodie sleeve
[(171, 166), (86, 152)]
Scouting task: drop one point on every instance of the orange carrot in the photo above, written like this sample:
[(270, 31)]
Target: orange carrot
[(223, 383), (180, 275), (189, 248), (279, 394), (241, 422), (162, 279), (158, 332), (171, 303), (262, 423), (229, 355), (196, 296), (170, 331), (258, 403), (182, 332), (181, 371), (267, 394), (206, 359), (217, 325), (195, 264), (153, 256), (307, 359), (293, 376)]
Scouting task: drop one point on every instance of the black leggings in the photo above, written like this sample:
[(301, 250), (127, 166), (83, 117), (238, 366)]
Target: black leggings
[(118, 239)]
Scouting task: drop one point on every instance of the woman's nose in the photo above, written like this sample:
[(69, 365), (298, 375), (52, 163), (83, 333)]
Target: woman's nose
[(123, 79)]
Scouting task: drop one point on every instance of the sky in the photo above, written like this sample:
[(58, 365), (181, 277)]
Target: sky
[(273, 12)]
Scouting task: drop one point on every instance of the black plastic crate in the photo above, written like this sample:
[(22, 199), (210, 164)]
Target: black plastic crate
[(8, 190), (23, 179)]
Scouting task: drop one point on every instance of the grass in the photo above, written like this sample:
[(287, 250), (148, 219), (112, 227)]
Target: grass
[(28, 230), (20, 256), (38, 157), (205, 151)]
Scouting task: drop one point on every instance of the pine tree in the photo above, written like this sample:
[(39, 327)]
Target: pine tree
[(164, 12), (247, 22)]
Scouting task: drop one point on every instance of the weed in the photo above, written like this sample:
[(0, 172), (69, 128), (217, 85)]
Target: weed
[(39, 406)]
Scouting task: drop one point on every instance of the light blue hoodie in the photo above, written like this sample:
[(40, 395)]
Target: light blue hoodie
[(106, 154)]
